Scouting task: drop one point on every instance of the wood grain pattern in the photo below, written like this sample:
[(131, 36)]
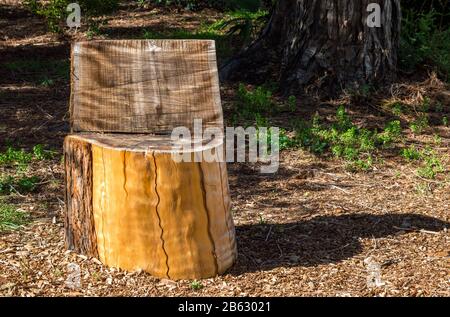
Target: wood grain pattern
[(144, 86), (169, 219), (128, 202)]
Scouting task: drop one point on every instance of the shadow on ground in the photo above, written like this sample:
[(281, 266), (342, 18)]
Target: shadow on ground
[(320, 240)]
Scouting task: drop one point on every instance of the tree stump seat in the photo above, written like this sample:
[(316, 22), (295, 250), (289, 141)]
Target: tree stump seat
[(128, 201)]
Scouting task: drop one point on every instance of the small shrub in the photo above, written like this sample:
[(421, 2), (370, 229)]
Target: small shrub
[(41, 154), (345, 140), (432, 165), (256, 101), (360, 165), (23, 184), (196, 285), (15, 156), (424, 41), (22, 157), (419, 124), (411, 153), (391, 133), (397, 109), (244, 23)]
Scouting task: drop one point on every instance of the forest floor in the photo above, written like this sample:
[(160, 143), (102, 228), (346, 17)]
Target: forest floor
[(311, 229)]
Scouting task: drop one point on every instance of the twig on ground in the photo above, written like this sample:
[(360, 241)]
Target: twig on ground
[(268, 234)]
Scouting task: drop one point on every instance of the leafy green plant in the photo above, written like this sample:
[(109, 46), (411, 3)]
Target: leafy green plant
[(425, 105), (256, 101), (360, 164), (285, 142), (23, 184), (241, 22), (11, 218), (410, 153), (27, 184), (22, 157), (47, 82), (424, 41), (432, 167), (15, 156), (397, 109), (391, 133), (419, 124), (432, 164), (196, 285), (41, 154), (437, 139), (445, 121), (345, 140)]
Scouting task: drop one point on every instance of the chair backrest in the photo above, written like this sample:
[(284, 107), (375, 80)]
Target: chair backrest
[(144, 86)]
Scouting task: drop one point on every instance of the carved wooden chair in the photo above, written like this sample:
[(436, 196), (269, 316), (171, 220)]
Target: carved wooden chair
[(128, 202)]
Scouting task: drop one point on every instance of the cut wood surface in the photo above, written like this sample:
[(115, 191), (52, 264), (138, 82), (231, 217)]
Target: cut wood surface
[(170, 219)]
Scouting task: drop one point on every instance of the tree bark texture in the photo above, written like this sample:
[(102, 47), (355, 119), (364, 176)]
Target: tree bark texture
[(322, 43)]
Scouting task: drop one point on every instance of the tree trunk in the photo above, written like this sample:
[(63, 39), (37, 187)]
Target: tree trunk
[(136, 208), (326, 44)]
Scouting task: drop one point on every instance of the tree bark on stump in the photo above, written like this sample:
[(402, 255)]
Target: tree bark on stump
[(139, 209), (325, 44)]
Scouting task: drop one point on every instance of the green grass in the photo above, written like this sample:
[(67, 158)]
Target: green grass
[(342, 139), (13, 156), (11, 218), (20, 160)]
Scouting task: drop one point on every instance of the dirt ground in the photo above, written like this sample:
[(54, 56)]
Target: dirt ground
[(311, 229)]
